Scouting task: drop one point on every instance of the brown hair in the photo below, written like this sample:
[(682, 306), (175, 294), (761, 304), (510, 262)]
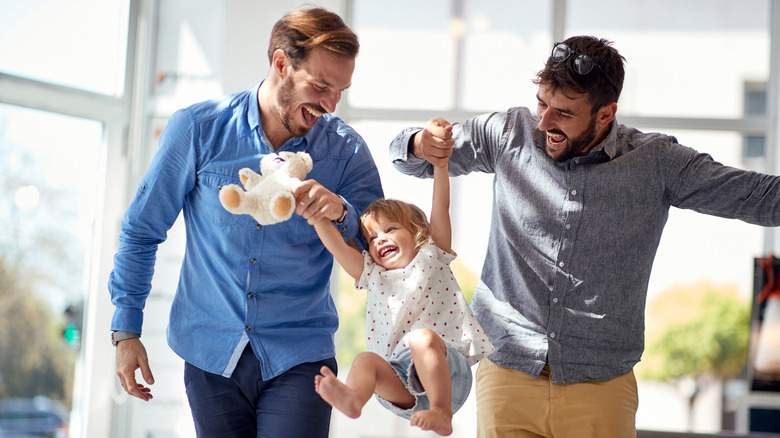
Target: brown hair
[(408, 215), (603, 86), (301, 30)]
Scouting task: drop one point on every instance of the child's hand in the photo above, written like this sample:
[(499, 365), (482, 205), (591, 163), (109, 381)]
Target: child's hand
[(434, 143)]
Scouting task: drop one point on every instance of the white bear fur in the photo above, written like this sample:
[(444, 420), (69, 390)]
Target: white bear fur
[(268, 196)]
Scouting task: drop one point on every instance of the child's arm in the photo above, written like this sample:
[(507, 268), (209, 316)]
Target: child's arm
[(441, 227), (350, 259)]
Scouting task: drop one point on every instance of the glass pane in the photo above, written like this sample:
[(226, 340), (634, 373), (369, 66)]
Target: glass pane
[(506, 43), (49, 179), (407, 55), (490, 52), (78, 43), (683, 58), (191, 52)]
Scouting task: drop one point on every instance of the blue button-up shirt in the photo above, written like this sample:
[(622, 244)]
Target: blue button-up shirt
[(239, 282), (571, 244)]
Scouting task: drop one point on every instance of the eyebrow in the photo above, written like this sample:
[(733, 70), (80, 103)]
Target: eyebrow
[(322, 81), (560, 110)]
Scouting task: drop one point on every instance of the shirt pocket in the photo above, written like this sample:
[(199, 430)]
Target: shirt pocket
[(209, 185)]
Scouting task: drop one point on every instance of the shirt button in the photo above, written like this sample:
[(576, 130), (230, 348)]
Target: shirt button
[(258, 226), (555, 300), (552, 335), (248, 327), (253, 261), (250, 295), (560, 264), (574, 191), (568, 226)]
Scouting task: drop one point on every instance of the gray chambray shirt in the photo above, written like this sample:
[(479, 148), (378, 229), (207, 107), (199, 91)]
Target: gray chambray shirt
[(571, 244)]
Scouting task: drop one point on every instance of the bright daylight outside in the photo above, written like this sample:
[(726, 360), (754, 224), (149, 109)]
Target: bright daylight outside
[(52, 168), (418, 60), (49, 179)]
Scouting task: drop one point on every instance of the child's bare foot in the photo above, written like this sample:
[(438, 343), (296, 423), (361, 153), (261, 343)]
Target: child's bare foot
[(437, 420), (337, 394)]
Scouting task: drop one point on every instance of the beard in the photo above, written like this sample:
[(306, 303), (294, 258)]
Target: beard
[(285, 100), (577, 145)]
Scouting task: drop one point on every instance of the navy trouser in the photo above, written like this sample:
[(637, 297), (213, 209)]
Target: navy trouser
[(245, 405)]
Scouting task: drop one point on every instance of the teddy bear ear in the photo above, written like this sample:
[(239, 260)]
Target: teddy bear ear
[(306, 160)]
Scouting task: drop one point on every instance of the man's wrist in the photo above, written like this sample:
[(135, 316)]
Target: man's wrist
[(119, 335), (344, 212)]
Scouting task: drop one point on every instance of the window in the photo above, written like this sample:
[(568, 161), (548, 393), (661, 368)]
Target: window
[(754, 146), (63, 119), (50, 172), (683, 59), (505, 44), (397, 43), (78, 43)]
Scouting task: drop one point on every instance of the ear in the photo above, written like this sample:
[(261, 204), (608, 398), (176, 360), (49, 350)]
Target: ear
[(605, 114), (307, 161), (279, 62)]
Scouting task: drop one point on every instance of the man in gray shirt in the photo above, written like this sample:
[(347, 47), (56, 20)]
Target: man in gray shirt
[(579, 204)]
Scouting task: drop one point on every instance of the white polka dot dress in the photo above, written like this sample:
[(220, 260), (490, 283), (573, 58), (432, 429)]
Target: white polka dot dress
[(422, 295)]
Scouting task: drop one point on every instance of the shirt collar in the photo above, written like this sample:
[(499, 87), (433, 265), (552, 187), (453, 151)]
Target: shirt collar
[(606, 150), (253, 109), (610, 144), (253, 119)]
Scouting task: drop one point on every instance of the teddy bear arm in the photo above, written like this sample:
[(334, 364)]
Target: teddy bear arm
[(249, 178)]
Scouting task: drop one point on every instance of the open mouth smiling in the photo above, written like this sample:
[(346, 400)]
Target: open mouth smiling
[(310, 115), (388, 250), (555, 139)]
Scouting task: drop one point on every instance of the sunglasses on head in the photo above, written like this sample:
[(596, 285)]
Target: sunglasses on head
[(582, 63)]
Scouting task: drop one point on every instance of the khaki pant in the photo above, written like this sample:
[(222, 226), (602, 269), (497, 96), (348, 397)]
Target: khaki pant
[(511, 404)]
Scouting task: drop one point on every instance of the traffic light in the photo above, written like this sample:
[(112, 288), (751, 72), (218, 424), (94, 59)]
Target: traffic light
[(74, 316)]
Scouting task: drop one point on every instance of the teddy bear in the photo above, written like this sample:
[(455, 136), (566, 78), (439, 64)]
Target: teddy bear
[(268, 196)]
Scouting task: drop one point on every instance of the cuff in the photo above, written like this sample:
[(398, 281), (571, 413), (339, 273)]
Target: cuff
[(402, 146), (127, 320)]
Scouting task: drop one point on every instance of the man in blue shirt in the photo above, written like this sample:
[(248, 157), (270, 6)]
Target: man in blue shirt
[(579, 204), (252, 316)]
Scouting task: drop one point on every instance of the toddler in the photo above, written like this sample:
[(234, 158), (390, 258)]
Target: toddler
[(421, 336)]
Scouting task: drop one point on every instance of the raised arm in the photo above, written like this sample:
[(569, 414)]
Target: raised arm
[(441, 227), (350, 259)]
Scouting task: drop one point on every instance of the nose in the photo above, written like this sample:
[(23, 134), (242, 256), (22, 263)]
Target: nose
[(380, 238), (330, 101), (544, 120)]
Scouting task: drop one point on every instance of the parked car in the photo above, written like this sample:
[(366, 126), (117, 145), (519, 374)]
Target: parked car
[(32, 417)]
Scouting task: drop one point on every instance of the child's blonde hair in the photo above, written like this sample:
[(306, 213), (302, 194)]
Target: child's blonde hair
[(408, 215)]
